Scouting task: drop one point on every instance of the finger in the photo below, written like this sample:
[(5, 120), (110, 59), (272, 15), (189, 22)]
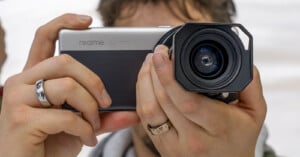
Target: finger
[(67, 90), (148, 108), (60, 91), (54, 121), (43, 45), (252, 99), (150, 111), (183, 127), (201, 110), (180, 124), (174, 115), (66, 66)]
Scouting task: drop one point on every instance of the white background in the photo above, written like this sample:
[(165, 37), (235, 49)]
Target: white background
[(274, 24)]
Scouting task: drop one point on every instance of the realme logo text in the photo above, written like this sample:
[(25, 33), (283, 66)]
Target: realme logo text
[(91, 43)]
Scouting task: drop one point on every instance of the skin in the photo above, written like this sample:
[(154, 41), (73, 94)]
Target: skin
[(34, 131), (201, 126)]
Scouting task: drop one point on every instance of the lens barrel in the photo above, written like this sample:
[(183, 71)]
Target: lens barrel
[(211, 57)]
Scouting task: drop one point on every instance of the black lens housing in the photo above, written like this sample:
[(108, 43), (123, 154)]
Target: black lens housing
[(227, 64)]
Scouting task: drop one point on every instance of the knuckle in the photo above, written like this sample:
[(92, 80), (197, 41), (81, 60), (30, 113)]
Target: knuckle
[(93, 107), (11, 91), (10, 81), (63, 60), (149, 110), (9, 101), (70, 117), (41, 32), (68, 16), (95, 81), (19, 116), (69, 84)]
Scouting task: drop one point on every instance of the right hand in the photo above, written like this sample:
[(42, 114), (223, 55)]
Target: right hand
[(29, 130), (201, 126)]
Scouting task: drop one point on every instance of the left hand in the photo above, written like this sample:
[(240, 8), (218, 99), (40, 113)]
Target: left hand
[(27, 129), (200, 126)]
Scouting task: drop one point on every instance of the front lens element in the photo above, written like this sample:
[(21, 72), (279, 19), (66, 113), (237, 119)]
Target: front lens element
[(208, 60)]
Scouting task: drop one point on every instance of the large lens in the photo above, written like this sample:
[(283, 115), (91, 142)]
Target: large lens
[(208, 60)]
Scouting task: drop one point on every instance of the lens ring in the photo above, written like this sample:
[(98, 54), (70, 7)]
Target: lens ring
[(232, 51)]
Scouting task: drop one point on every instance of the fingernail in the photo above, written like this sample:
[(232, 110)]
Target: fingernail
[(84, 18), (158, 60), (106, 98), (161, 49), (148, 58)]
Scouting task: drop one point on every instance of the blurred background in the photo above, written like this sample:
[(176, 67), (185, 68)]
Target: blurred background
[(274, 24)]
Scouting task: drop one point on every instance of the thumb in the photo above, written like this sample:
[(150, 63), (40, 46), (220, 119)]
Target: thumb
[(251, 98)]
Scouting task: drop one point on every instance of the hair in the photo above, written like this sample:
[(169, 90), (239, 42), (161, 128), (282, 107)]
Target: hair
[(2, 35), (219, 10), (2, 46)]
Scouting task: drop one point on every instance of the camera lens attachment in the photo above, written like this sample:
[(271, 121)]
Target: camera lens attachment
[(210, 57)]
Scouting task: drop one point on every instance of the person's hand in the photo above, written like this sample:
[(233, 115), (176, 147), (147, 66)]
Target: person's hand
[(201, 127), (27, 129)]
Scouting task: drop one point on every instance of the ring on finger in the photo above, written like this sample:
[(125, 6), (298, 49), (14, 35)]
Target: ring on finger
[(160, 129), (41, 95)]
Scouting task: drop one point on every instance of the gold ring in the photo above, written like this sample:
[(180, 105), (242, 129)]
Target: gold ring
[(159, 129)]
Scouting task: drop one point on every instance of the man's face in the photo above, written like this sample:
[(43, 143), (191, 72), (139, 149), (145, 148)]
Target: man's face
[(156, 15)]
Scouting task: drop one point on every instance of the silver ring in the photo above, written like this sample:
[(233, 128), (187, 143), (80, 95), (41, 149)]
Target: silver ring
[(39, 86), (159, 129)]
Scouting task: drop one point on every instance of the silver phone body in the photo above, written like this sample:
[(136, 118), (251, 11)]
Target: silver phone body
[(115, 54)]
